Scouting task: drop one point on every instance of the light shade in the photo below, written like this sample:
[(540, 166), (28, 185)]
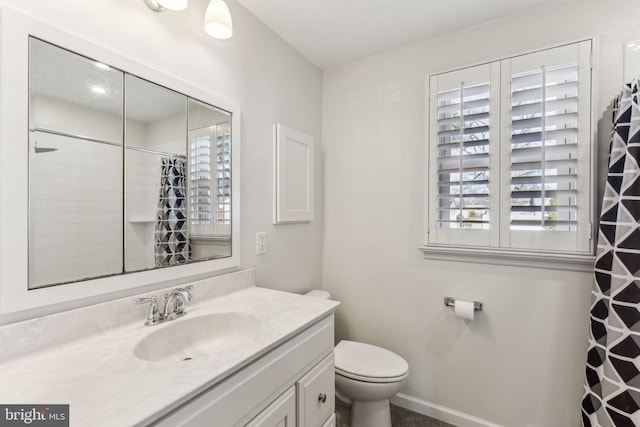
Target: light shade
[(217, 20), (176, 5)]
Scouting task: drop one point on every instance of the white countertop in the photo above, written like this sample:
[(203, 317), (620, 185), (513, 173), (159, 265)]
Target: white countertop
[(105, 384)]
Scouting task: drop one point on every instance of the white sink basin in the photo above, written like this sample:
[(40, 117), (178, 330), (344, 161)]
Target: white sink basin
[(199, 336)]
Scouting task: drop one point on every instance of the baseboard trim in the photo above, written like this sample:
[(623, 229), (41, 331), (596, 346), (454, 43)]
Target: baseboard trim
[(440, 412)]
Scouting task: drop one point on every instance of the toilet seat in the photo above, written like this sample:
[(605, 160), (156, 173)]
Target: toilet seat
[(369, 363), (371, 379)]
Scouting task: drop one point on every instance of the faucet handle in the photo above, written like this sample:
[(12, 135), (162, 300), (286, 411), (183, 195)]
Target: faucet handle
[(153, 316), (186, 290)]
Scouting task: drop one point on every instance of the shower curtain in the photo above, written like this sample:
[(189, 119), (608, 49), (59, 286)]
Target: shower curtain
[(612, 381), (171, 238)]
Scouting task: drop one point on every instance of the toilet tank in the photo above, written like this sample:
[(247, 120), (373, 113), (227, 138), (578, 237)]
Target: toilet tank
[(317, 293)]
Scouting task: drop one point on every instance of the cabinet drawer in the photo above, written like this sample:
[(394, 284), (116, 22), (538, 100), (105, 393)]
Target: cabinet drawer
[(316, 394)]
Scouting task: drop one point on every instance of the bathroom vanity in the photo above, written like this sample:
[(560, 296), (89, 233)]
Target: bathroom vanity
[(292, 382), (241, 356)]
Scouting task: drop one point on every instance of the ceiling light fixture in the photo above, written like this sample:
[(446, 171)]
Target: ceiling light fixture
[(217, 19), (160, 5)]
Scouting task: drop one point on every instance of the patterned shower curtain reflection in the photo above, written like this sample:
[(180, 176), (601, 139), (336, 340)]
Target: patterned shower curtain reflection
[(171, 236), (612, 383)]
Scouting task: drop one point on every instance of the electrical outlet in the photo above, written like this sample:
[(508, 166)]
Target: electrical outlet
[(261, 243)]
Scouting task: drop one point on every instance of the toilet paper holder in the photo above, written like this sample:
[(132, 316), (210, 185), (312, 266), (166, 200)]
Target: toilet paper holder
[(451, 302)]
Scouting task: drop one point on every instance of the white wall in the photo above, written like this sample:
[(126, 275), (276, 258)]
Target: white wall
[(268, 79), (521, 362)]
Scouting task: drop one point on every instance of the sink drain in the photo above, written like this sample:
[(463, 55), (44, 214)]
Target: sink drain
[(187, 358)]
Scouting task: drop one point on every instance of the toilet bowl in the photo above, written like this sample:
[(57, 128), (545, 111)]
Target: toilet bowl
[(367, 376)]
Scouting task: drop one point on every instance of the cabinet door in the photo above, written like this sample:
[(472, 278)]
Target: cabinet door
[(316, 394), (280, 413), (331, 422)]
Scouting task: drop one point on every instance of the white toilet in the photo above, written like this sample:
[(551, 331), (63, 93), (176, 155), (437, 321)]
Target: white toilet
[(367, 376)]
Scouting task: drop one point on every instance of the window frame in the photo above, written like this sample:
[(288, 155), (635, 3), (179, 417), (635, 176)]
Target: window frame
[(452, 244)]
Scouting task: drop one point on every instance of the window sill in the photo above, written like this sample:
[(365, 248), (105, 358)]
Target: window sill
[(556, 261)]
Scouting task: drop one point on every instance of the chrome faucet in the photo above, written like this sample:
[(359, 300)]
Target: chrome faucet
[(173, 306), (179, 297)]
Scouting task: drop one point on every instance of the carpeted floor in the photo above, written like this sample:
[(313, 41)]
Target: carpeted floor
[(400, 417)]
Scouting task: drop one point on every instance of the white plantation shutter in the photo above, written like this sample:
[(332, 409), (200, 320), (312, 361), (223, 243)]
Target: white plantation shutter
[(463, 157), (510, 154), (200, 178), (462, 114), (210, 179), (223, 174), (544, 147), (546, 143)]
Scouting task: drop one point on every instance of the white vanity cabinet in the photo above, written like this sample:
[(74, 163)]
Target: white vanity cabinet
[(290, 386)]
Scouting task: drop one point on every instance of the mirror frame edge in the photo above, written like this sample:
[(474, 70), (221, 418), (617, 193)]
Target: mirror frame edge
[(15, 29)]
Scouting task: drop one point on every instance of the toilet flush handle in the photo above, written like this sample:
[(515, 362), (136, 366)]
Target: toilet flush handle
[(322, 398)]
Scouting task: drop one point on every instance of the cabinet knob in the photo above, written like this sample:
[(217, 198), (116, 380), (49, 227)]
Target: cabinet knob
[(322, 398)]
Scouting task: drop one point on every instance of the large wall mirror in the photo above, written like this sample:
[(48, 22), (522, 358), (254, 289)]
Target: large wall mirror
[(125, 175), (117, 177)]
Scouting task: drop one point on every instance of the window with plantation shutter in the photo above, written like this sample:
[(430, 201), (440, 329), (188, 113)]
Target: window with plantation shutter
[(510, 157), (223, 174), (200, 179), (463, 157), (544, 139), (464, 132), (210, 179)]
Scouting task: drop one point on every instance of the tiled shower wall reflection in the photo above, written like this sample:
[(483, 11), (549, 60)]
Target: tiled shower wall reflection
[(75, 219)]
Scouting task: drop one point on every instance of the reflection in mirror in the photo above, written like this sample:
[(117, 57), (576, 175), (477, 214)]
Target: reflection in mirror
[(75, 167), (209, 182), (175, 183), (156, 232)]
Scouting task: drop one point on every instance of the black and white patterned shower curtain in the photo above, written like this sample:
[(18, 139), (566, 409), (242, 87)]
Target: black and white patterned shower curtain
[(171, 238), (612, 383)]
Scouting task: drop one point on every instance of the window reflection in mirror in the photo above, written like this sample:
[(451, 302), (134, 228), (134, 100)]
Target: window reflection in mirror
[(75, 167), (110, 194), (209, 181)]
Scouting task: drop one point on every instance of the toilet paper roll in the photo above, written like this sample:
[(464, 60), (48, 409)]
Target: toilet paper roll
[(464, 309)]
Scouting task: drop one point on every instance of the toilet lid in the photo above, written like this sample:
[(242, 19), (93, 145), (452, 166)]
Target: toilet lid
[(360, 360)]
